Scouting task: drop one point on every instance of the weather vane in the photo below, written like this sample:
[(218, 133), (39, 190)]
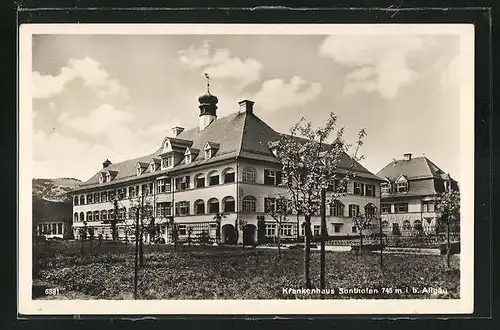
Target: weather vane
[(208, 82)]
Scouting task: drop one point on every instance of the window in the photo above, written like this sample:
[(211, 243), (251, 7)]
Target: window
[(385, 224), (59, 228), (82, 216), (229, 175), (75, 217), (104, 215), (138, 171), (213, 178), (417, 224), (402, 187), (353, 210), (167, 162), (249, 204), (111, 195), (317, 230), (168, 186), (406, 225), (104, 196), (182, 183), (160, 186), (447, 186), (96, 215), (428, 206), (271, 229), (385, 208), (249, 174), (121, 193), (369, 209), (199, 181), (89, 216), (182, 208), (359, 188), (132, 191), (337, 209), (108, 177), (272, 177), (82, 200), (286, 229), (213, 205), (163, 209), (336, 228), (354, 229), (212, 230), (97, 197), (75, 200), (199, 207), (229, 204), (182, 230), (187, 159), (269, 204), (89, 199), (400, 207), (370, 190), (208, 153), (385, 188), (111, 215)]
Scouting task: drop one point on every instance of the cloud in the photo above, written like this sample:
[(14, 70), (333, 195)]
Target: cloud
[(87, 69), (101, 120), (276, 93), (220, 64), (378, 63)]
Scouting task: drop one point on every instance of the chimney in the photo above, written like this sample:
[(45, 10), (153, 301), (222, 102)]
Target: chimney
[(246, 106), (407, 156), (177, 130), (106, 163)]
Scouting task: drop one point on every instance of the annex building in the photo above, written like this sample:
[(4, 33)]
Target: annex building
[(410, 193), (223, 165)]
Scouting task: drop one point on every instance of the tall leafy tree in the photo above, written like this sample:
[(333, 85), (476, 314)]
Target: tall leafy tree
[(311, 164)]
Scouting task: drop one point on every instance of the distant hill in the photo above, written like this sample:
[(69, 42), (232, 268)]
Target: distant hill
[(50, 199), (54, 189)]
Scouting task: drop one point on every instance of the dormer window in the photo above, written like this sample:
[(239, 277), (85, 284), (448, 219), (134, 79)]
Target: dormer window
[(385, 188), (402, 187), (167, 162), (102, 177), (108, 177), (402, 184), (187, 156), (141, 167), (210, 149)]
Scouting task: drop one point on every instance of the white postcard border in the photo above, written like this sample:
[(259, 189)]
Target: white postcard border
[(464, 305)]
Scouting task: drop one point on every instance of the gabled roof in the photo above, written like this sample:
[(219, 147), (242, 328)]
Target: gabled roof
[(240, 134), (415, 168)]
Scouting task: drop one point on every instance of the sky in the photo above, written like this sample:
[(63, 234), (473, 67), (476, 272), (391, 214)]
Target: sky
[(115, 97)]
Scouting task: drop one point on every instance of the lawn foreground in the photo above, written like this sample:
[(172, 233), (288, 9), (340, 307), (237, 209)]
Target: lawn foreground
[(107, 272)]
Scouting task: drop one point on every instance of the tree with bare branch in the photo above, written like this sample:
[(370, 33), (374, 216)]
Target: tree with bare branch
[(311, 164), (278, 208)]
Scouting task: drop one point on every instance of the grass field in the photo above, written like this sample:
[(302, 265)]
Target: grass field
[(107, 272)]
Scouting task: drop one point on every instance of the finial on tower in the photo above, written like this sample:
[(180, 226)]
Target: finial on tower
[(208, 82)]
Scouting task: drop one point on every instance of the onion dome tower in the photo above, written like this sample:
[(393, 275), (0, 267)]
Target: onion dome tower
[(208, 107)]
